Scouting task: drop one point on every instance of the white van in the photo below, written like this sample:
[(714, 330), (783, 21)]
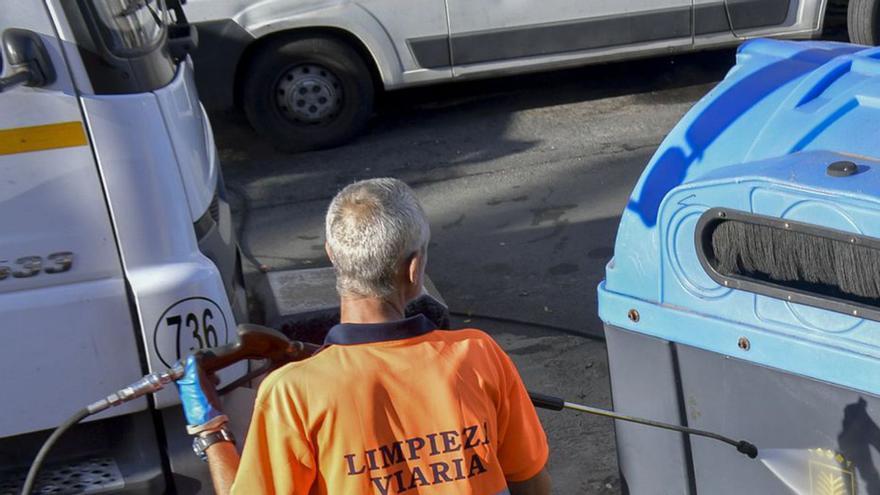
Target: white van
[(306, 72), (117, 253)]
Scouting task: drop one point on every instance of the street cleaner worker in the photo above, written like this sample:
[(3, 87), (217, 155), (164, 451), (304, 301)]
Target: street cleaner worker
[(390, 404)]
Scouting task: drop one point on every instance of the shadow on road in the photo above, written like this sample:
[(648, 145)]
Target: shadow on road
[(524, 178)]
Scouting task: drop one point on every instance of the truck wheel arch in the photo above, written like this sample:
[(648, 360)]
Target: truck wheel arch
[(347, 37)]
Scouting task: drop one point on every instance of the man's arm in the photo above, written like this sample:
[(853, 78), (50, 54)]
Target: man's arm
[(277, 456), (223, 462), (201, 406), (538, 484)]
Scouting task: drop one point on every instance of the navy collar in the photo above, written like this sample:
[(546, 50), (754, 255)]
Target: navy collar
[(368, 333)]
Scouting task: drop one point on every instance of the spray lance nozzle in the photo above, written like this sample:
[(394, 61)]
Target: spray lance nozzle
[(254, 342), (747, 448), (557, 404)]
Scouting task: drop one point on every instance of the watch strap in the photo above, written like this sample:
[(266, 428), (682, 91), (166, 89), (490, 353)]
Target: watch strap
[(205, 440)]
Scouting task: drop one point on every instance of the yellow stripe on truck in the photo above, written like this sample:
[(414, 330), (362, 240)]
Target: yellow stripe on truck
[(42, 137)]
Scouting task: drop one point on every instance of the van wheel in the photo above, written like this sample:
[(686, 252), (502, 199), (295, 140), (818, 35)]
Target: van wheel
[(308, 93), (863, 21)]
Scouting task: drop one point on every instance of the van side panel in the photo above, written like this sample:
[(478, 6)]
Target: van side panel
[(377, 24)]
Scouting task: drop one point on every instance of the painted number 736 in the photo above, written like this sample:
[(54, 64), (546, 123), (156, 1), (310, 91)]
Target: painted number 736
[(197, 329), (189, 325)]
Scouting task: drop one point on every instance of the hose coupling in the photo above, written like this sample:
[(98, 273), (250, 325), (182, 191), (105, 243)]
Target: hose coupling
[(149, 384)]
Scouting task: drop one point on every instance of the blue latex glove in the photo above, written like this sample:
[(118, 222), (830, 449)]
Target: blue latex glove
[(201, 405)]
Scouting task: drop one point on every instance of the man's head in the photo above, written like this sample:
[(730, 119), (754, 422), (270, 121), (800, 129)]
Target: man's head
[(377, 239)]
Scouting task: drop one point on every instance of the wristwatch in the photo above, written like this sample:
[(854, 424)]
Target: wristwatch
[(205, 440)]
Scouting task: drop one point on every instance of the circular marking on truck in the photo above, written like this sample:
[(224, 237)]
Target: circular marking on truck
[(189, 325)]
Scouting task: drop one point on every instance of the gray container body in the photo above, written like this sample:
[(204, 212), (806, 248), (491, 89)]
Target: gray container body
[(773, 409)]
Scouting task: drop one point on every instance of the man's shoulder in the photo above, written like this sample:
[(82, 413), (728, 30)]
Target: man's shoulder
[(475, 340), (472, 335)]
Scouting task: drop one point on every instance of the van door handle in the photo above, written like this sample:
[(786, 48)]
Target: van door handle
[(28, 60)]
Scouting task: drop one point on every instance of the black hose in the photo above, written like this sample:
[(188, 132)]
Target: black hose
[(241, 232), (503, 319), (28, 485)]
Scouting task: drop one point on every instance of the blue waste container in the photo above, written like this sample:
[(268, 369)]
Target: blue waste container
[(744, 292)]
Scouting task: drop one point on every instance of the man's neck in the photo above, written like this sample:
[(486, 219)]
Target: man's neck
[(370, 310)]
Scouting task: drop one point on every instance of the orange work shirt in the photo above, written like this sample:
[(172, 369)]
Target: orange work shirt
[(391, 408)]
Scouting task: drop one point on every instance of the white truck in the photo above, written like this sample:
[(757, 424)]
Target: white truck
[(306, 72), (117, 253)]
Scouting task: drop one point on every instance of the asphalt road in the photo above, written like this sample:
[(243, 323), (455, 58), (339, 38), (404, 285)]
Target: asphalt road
[(523, 179)]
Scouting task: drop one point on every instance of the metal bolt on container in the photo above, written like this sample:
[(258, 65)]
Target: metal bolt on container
[(633, 315)]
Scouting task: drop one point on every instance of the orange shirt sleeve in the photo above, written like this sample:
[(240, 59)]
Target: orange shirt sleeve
[(522, 443), (277, 457)]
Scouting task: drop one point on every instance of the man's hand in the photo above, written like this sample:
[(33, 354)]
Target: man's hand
[(198, 394)]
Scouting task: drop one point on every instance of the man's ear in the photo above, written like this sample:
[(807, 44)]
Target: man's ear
[(414, 268), (329, 253)]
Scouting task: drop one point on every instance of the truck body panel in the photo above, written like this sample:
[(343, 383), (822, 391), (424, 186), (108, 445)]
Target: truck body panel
[(178, 291), (63, 324), (117, 251)]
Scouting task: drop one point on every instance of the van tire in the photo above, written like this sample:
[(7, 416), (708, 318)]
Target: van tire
[(291, 66), (863, 22)]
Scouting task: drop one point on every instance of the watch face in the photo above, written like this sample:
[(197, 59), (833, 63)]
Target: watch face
[(198, 449)]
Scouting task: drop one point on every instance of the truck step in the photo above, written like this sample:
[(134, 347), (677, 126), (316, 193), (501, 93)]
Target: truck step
[(91, 475)]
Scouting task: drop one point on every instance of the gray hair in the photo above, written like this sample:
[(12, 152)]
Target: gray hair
[(371, 227)]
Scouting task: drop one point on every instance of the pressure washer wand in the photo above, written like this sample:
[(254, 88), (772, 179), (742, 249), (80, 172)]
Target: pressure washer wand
[(556, 404)]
